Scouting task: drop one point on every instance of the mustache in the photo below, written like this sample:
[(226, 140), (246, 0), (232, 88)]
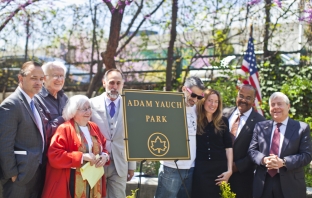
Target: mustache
[(245, 103)]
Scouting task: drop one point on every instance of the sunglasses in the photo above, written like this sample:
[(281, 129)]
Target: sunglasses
[(195, 95)]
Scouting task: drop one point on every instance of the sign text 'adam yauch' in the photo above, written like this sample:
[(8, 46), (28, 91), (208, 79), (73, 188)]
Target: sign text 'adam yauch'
[(155, 104), (155, 125)]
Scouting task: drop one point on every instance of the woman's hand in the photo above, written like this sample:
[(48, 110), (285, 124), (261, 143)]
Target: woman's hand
[(223, 177), (90, 157), (102, 160)]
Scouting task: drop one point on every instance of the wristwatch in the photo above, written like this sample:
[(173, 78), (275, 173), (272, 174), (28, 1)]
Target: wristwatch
[(284, 162)]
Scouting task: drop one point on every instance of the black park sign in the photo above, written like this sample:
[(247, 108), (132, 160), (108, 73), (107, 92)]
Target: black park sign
[(155, 125)]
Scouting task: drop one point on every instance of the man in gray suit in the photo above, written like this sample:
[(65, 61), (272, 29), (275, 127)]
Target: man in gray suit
[(244, 113), (281, 148), (107, 113), (22, 140)]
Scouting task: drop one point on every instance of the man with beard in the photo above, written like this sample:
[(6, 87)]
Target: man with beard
[(107, 113), (242, 120), (169, 181)]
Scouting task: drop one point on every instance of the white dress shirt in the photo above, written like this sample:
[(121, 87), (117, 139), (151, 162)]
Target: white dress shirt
[(242, 121)]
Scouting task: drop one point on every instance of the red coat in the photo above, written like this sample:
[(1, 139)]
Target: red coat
[(62, 155)]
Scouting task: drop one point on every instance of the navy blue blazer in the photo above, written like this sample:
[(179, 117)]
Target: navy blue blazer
[(296, 150)]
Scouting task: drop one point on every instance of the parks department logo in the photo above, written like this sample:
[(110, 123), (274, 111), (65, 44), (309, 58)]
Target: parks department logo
[(158, 144)]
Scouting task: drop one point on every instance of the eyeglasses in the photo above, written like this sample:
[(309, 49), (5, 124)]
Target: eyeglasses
[(84, 110), (248, 98), (195, 95), (55, 77)]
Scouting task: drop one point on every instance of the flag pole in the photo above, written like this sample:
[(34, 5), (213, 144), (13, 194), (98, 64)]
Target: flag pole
[(251, 30)]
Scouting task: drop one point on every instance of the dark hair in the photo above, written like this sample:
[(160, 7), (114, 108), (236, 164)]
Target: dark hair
[(25, 66), (110, 70), (250, 87)]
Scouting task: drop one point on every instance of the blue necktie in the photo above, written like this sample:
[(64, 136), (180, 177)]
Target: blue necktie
[(112, 109), (32, 106)]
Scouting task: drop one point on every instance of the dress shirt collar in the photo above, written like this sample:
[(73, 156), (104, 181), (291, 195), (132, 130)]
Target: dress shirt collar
[(108, 101), (283, 123), (247, 113), (25, 94)]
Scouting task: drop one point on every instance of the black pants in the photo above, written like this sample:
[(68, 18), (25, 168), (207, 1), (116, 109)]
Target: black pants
[(272, 187)]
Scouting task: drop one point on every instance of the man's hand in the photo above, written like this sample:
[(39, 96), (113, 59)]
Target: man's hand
[(273, 162), (130, 174), (13, 178)]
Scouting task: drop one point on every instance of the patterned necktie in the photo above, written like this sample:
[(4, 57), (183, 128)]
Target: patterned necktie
[(112, 109), (235, 127), (275, 146)]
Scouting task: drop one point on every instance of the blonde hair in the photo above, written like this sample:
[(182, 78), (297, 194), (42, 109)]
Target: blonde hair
[(216, 116)]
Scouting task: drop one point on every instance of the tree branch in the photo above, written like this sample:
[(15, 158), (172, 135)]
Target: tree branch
[(15, 12), (133, 19), (136, 31)]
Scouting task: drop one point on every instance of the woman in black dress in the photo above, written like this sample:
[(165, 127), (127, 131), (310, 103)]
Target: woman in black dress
[(214, 154)]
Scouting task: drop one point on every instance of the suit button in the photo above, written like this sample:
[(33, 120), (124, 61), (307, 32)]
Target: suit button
[(111, 140)]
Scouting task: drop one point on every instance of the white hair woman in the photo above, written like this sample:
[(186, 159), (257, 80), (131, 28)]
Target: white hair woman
[(75, 142)]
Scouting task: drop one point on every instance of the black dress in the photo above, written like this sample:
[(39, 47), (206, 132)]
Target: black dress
[(210, 160)]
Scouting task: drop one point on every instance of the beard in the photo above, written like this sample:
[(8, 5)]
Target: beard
[(189, 101), (113, 93)]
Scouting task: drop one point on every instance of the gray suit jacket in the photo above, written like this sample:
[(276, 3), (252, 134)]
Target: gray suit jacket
[(296, 150), (116, 143), (19, 132)]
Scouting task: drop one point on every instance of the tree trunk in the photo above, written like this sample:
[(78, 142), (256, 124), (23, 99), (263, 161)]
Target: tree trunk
[(170, 53), (27, 38), (108, 56), (266, 52)]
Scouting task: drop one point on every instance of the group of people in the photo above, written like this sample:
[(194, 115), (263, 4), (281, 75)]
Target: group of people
[(259, 158), (46, 137)]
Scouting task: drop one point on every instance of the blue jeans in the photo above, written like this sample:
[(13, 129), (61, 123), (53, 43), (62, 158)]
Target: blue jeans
[(170, 184)]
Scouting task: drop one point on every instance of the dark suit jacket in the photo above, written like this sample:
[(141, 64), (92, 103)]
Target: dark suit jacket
[(296, 150), (19, 132), (241, 181)]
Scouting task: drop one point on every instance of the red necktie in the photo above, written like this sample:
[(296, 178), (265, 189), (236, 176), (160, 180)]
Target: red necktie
[(275, 146), (235, 127)]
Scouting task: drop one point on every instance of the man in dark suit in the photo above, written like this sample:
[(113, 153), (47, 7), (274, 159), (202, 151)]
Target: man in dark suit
[(22, 139), (242, 120), (281, 148)]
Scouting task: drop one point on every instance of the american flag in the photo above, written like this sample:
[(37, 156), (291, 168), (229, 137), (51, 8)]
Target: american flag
[(250, 66)]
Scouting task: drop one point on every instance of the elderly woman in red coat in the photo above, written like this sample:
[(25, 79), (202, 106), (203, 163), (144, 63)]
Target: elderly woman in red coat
[(75, 142)]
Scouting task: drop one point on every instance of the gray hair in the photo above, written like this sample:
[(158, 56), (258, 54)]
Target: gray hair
[(193, 81), (109, 71), (73, 104), (279, 95), (59, 64)]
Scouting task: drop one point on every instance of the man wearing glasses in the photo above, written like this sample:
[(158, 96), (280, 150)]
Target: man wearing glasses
[(51, 98), (242, 120), (169, 181)]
